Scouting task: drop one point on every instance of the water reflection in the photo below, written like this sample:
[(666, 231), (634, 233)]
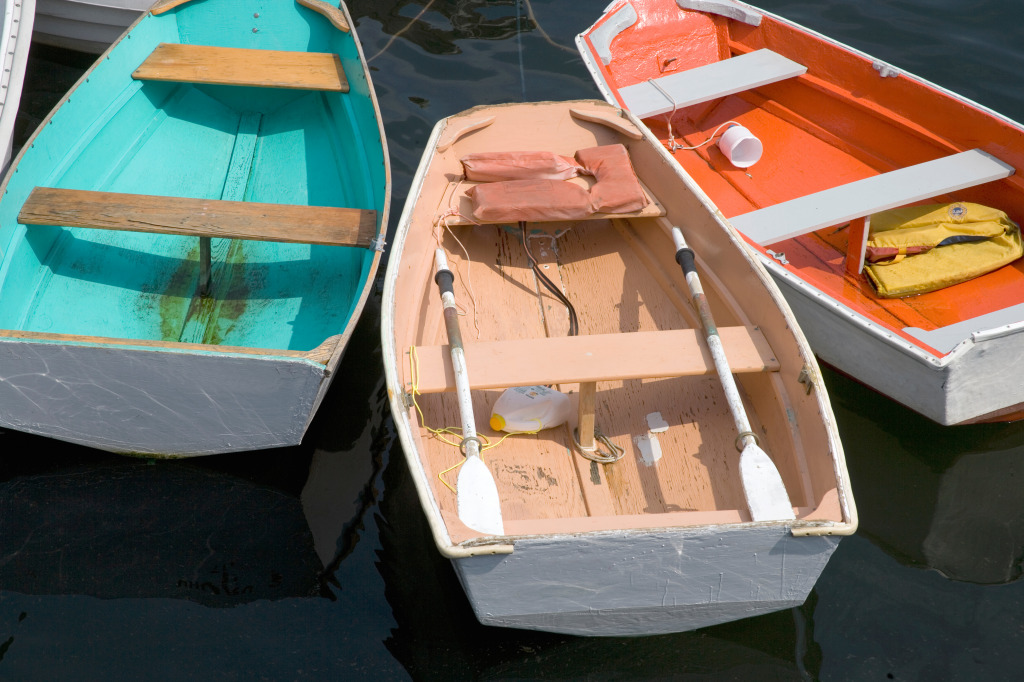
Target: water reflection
[(934, 497), (220, 531), (130, 528), (437, 25)]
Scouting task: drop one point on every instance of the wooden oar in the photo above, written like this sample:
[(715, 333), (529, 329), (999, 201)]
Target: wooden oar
[(766, 494), (479, 506)]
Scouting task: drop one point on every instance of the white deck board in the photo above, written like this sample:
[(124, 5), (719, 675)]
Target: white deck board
[(870, 195), (945, 339), (708, 82)]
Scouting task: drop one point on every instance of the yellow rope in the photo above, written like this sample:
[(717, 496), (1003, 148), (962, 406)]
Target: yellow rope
[(440, 434)]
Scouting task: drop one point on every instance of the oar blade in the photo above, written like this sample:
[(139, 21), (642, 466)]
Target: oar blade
[(479, 506), (767, 499)]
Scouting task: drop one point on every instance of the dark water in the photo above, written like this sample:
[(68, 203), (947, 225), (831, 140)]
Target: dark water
[(314, 562)]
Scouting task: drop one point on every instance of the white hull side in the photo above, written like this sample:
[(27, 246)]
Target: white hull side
[(19, 18), (132, 400), (979, 377), (635, 583), (85, 26)]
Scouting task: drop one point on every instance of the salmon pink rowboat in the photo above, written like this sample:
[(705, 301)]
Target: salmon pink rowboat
[(663, 504), (836, 137)]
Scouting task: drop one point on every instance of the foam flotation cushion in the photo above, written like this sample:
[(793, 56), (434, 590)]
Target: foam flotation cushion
[(617, 189), (529, 200)]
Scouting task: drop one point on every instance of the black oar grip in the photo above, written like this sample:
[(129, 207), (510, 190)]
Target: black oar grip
[(685, 258), (445, 281)]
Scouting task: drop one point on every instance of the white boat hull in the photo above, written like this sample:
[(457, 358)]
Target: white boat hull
[(85, 26), (975, 382), (636, 583), (138, 401), (19, 18)]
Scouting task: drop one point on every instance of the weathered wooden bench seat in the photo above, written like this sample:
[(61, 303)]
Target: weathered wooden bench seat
[(592, 358), (863, 197), (708, 82), (200, 217), (238, 66)]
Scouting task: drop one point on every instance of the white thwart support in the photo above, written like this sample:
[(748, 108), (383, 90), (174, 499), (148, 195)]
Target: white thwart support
[(726, 8), (870, 195), (708, 82)]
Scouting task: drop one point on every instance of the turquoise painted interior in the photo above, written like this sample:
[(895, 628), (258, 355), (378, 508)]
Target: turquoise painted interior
[(218, 142)]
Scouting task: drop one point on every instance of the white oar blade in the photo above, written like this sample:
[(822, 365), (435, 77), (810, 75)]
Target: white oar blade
[(478, 503), (767, 499)]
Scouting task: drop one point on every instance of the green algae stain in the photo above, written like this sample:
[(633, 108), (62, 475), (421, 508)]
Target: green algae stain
[(176, 298), (189, 317)]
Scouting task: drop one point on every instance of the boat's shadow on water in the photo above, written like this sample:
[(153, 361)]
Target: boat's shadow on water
[(945, 498), (221, 531)]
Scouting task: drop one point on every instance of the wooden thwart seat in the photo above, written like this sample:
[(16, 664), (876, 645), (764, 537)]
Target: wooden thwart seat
[(238, 66), (325, 225), (708, 82), (862, 198), (870, 195), (592, 358)]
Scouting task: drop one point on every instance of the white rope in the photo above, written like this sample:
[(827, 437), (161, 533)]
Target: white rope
[(672, 146)]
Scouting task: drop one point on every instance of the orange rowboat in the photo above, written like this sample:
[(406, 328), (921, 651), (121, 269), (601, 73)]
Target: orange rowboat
[(842, 137)]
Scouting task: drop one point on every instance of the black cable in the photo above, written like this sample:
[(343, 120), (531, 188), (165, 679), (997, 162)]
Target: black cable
[(549, 285)]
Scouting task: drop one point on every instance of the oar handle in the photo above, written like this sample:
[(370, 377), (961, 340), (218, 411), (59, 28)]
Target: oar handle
[(445, 281), (687, 261)]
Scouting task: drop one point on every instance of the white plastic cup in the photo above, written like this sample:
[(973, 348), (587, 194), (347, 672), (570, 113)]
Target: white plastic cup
[(740, 146)]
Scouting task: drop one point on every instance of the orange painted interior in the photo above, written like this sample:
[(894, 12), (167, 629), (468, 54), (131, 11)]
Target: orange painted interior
[(840, 122)]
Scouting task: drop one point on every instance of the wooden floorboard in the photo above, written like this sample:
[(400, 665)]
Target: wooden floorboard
[(542, 475)]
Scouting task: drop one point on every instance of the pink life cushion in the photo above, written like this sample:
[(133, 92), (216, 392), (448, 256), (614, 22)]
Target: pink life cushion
[(498, 166), (529, 200), (617, 189)]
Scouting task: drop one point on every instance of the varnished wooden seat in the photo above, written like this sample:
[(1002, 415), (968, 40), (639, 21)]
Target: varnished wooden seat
[(237, 66), (200, 217)]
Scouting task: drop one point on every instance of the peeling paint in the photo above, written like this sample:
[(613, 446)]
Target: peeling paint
[(650, 448), (656, 423)]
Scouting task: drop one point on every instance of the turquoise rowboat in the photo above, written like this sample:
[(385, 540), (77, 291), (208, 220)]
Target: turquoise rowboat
[(189, 238)]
